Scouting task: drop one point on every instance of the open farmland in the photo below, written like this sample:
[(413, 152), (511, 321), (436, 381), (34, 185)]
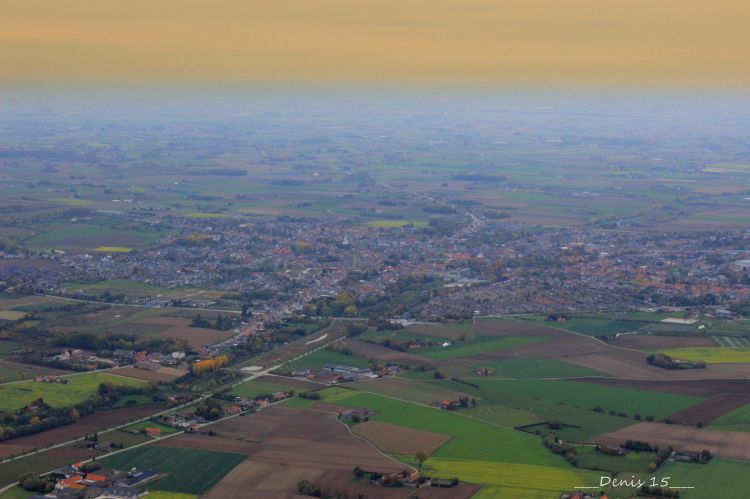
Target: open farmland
[(407, 389), (77, 389), (711, 355), (296, 445), (710, 409), (719, 478), (729, 444), (187, 471), (513, 477), (537, 368), (572, 403), (736, 420), (477, 346), (399, 440)]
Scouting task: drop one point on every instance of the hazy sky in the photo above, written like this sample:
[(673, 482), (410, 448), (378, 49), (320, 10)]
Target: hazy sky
[(653, 42)]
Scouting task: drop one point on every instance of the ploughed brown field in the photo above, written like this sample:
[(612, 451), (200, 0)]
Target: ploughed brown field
[(87, 424), (179, 328), (399, 440), (653, 342), (372, 351), (698, 388), (286, 445), (710, 409), (730, 444)]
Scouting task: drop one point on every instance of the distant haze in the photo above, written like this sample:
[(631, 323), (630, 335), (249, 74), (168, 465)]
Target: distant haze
[(610, 42)]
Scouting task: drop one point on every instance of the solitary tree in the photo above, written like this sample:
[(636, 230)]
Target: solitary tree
[(421, 456)]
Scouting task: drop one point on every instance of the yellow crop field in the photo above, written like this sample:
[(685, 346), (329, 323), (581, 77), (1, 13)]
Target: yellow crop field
[(113, 249)]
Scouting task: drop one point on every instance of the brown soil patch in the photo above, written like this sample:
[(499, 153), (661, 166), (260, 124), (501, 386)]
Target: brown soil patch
[(710, 409), (632, 365), (195, 336), (653, 342), (399, 440), (730, 444), (489, 326), (698, 388), (264, 480), (88, 424)]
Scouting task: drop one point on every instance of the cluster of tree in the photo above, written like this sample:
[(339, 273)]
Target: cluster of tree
[(558, 447), (666, 362), (209, 409), (343, 304), (638, 446), (659, 459), (88, 341), (309, 395), (24, 422), (34, 483), (209, 365), (402, 345)]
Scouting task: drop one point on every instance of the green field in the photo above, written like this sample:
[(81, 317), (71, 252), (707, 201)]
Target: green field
[(548, 481), (251, 389), (720, 478), (318, 360), (710, 355), (471, 440), (595, 326), (189, 471), (79, 387), (395, 224), (572, 402), (478, 346), (736, 420), (162, 494), (632, 462), (538, 368)]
